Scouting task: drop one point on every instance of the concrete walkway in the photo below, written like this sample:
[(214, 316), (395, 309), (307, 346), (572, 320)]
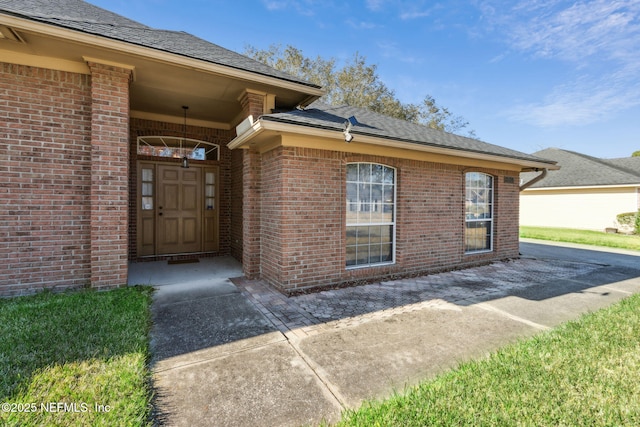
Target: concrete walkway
[(238, 354)]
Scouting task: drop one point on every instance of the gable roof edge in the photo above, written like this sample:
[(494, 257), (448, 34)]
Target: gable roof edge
[(135, 49)]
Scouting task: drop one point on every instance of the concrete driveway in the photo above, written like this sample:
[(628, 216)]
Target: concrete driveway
[(238, 353)]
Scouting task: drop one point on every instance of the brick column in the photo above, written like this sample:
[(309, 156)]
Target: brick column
[(255, 103), (251, 206), (109, 174)]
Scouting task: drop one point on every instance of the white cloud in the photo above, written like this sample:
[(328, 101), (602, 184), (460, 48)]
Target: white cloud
[(576, 31), (406, 10), (584, 100), (304, 7), (375, 5), (274, 5), (414, 14), (361, 25), (600, 39), (392, 50)]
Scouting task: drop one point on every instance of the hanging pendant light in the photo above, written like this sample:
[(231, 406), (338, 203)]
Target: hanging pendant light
[(185, 159)]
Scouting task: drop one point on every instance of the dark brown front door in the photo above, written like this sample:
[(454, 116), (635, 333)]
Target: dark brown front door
[(178, 209)]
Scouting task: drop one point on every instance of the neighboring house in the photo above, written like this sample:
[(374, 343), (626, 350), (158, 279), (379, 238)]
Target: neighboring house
[(586, 193), (94, 135)]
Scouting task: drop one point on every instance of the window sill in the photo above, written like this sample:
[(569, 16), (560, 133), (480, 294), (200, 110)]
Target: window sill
[(486, 251), (358, 267)]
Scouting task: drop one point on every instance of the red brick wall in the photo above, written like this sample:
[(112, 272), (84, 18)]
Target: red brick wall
[(236, 186), (109, 175), (251, 207), (45, 164), (252, 104), (303, 228), (301, 217)]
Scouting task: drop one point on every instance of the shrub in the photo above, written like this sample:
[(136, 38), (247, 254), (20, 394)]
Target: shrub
[(629, 220)]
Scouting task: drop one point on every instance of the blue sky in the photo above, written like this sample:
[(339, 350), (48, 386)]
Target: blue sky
[(526, 74)]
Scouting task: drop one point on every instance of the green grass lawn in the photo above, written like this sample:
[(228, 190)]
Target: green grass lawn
[(586, 237), (76, 359), (584, 373)]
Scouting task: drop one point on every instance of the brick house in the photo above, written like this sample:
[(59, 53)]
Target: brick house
[(94, 140)]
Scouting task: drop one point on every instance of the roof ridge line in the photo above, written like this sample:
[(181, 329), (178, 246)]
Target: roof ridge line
[(92, 21), (607, 163)]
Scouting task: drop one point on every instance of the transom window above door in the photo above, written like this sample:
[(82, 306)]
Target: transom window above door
[(176, 147)]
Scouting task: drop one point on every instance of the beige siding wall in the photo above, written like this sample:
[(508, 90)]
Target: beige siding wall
[(576, 208)]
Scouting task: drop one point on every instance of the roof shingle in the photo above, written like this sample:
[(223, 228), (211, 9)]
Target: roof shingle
[(578, 169), (82, 16), (321, 115)]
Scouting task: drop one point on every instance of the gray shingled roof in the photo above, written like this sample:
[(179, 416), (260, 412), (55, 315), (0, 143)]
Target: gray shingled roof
[(323, 116), (87, 18), (578, 169)]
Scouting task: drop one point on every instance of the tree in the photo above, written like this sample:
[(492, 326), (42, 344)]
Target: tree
[(357, 84), (636, 154)]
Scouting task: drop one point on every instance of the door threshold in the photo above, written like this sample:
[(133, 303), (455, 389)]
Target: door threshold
[(183, 261)]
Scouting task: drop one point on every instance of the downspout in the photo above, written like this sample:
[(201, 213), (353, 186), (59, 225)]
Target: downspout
[(534, 180)]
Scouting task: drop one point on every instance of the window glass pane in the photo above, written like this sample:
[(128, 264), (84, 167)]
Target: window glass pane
[(351, 255), (386, 253), (147, 189), (352, 192), (374, 254), (171, 146), (387, 213), (376, 192), (364, 193), (352, 213), (352, 232), (147, 174), (210, 178), (364, 172), (375, 234), (362, 255), (389, 177), (376, 212), (386, 234), (478, 235), (377, 173), (387, 194), (364, 216), (362, 236), (352, 172), (147, 203)]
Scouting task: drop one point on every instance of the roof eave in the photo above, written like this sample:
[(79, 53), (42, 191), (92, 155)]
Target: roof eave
[(583, 187), (82, 37), (332, 133)]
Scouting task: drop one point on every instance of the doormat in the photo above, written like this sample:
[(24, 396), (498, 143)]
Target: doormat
[(182, 261)]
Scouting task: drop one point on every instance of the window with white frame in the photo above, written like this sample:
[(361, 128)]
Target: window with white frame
[(371, 206), (478, 232)]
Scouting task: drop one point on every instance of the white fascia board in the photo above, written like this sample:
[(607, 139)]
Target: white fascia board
[(582, 187), (262, 125), (255, 129)]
